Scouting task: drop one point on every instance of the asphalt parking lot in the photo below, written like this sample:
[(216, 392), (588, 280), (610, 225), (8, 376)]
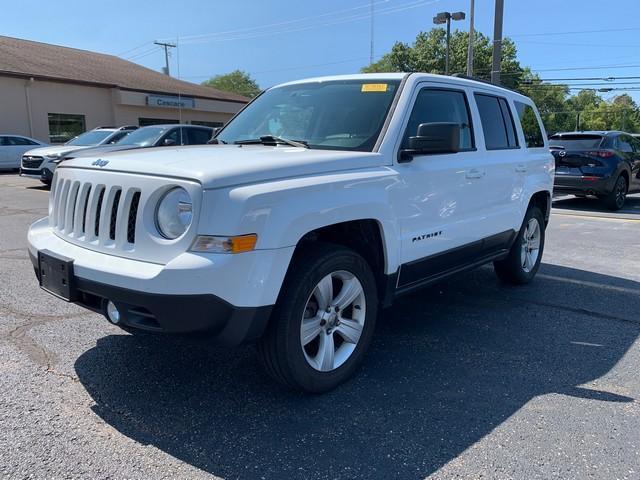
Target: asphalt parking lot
[(469, 379)]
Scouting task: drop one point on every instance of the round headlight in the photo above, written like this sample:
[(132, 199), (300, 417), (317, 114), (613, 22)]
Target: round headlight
[(174, 213)]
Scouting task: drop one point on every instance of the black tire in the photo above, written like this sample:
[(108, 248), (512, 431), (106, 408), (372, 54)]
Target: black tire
[(511, 269), (280, 349), (616, 198)]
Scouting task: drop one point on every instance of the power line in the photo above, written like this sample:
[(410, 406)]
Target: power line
[(215, 37), (122, 54), (576, 32)]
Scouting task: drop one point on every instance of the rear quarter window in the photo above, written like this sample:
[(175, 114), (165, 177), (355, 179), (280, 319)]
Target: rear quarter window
[(533, 136)]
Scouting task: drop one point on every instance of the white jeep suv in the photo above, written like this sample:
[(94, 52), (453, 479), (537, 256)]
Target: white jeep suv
[(323, 200)]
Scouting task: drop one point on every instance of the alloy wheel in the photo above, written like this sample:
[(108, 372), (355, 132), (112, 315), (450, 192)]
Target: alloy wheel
[(333, 321), (530, 245)]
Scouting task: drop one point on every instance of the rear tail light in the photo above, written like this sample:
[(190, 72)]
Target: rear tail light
[(601, 153)]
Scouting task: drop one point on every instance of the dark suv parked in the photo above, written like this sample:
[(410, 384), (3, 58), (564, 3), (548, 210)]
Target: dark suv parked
[(604, 164)]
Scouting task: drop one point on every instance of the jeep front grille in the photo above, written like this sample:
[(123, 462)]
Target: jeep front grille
[(106, 215), (112, 212)]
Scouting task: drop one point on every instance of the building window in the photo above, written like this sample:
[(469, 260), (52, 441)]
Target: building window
[(207, 124), (145, 122), (63, 127)]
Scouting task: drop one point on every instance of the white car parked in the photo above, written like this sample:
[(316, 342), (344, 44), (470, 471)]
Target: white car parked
[(323, 200), (12, 147), (40, 163)]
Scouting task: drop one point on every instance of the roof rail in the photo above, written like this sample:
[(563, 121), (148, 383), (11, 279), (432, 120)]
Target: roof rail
[(482, 80)]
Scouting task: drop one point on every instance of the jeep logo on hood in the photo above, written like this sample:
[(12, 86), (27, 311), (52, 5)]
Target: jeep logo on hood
[(100, 163)]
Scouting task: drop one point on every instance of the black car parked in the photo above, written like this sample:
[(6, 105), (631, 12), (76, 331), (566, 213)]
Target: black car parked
[(153, 136), (604, 164)]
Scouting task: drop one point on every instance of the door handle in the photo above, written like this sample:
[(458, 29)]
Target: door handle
[(521, 168), (475, 173)]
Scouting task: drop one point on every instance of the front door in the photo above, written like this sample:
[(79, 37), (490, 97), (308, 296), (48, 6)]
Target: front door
[(440, 203)]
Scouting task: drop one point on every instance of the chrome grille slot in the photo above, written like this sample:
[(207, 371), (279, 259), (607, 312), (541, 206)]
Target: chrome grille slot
[(61, 202), (81, 210), (114, 215), (132, 217), (70, 209), (98, 213)]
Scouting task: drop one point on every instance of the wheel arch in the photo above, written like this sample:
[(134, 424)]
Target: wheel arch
[(365, 236), (542, 200)]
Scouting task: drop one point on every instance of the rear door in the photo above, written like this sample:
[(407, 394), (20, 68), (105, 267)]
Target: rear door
[(3, 151), (504, 163)]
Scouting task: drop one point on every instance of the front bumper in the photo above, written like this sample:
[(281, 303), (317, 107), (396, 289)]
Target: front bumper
[(31, 173), (227, 296), (167, 313)]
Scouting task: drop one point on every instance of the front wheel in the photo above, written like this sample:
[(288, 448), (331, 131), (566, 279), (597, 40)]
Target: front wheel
[(324, 319), (524, 258)]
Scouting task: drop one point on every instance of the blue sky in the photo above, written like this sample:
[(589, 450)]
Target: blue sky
[(281, 40)]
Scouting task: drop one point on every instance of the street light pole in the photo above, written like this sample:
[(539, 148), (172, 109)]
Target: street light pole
[(446, 17), (472, 36), (446, 58)]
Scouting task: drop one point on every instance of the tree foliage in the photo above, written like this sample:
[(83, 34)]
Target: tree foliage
[(560, 111), (235, 82)]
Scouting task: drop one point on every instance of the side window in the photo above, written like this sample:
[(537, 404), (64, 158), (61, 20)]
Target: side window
[(497, 122), (530, 126), (433, 105), (624, 144), (3, 141), (175, 135), (118, 136), (198, 136), (508, 122)]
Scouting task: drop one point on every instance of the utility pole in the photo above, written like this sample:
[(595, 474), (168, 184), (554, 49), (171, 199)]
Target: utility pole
[(472, 36), (497, 42), (373, 6), (166, 47)]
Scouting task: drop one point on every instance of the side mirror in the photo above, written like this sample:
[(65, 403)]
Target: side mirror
[(168, 142), (432, 138)]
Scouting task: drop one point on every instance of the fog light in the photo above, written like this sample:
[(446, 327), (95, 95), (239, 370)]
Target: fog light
[(112, 313)]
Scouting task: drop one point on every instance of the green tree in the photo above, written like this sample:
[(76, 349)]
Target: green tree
[(235, 82), (428, 52)]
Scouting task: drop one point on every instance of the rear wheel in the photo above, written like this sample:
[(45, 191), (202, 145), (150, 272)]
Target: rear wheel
[(324, 320), (523, 261), (615, 200)]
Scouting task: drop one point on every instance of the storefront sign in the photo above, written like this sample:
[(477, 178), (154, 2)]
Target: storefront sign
[(170, 102)]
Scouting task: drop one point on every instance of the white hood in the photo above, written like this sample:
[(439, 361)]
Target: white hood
[(54, 150), (217, 166)]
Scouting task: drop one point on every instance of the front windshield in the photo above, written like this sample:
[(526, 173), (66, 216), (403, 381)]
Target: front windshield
[(144, 137), (94, 137), (341, 115)]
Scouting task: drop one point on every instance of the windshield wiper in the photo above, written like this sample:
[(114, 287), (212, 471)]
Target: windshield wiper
[(273, 140)]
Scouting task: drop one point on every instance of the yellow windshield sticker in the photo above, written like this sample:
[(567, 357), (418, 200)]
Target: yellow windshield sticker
[(374, 87)]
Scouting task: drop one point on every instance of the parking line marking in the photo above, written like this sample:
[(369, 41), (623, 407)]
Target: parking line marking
[(596, 217), (587, 283)]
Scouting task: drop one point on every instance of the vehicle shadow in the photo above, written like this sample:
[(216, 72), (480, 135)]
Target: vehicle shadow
[(631, 206), (448, 366)]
